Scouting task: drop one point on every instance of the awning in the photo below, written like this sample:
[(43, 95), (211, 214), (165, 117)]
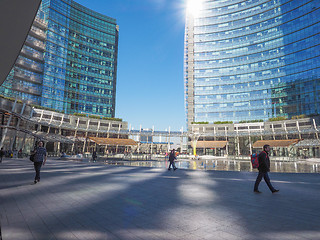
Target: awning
[(308, 143), (275, 143), (210, 144), (113, 141)]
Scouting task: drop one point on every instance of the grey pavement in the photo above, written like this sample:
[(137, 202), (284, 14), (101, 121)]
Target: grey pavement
[(77, 200)]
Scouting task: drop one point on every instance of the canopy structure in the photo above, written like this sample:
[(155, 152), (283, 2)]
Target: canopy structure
[(50, 137), (113, 141), (308, 143), (210, 144), (275, 143), (16, 17)]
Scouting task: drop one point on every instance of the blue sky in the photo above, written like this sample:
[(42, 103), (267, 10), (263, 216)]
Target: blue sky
[(150, 87)]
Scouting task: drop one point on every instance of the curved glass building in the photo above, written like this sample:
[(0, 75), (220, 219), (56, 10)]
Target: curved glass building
[(25, 78), (252, 60), (80, 59), (68, 62)]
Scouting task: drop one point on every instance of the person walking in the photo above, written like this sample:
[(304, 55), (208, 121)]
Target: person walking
[(172, 157), (1, 154), (264, 168), (40, 159), (94, 155)]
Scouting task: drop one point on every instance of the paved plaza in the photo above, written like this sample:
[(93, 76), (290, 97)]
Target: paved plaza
[(77, 200)]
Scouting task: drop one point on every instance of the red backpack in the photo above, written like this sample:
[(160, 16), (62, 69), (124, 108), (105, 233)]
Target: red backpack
[(254, 160)]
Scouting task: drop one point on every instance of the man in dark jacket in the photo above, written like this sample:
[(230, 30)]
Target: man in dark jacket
[(40, 159), (264, 168), (1, 154), (172, 157)]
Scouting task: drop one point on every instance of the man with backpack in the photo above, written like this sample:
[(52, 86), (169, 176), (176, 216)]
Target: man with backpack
[(264, 168)]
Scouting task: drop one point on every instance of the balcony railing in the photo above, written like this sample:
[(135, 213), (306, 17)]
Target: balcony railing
[(31, 54), (26, 89), (37, 33), (40, 23), (33, 67), (35, 44), (32, 78)]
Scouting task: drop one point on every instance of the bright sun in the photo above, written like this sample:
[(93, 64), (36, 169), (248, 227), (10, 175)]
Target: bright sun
[(194, 7)]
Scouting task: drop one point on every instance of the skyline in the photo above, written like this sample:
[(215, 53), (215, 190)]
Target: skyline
[(150, 84)]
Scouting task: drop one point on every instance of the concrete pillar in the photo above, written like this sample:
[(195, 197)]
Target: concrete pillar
[(152, 140), (315, 127), (17, 127), (75, 134), (4, 133), (169, 147), (250, 144), (298, 129), (108, 131), (85, 141), (273, 133), (285, 129), (59, 144), (39, 125), (238, 144)]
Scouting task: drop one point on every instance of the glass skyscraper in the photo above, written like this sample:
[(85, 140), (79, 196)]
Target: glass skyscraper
[(25, 79), (252, 60), (79, 60)]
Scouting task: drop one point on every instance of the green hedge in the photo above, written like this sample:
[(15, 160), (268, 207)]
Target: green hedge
[(80, 114), (10, 98), (46, 108), (199, 122), (251, 121), (277, 119), (223, 122), (112, 119), (299, 116)]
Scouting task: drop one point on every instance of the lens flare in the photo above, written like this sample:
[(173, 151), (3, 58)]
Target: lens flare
[(194, 7)]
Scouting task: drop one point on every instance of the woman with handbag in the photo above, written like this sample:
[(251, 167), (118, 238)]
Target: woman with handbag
[(40, 158)]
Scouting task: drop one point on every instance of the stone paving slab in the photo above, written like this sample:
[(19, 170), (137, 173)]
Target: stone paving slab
[(77, 200)]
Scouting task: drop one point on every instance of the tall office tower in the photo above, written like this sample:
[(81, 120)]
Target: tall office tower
[(69, 61), (25, 79), (80, 67), (252, 60)]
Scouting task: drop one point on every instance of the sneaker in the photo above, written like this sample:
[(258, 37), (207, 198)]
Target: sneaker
[(175, 169), (276, 190), (257, 191), (169, 169), (35, 181)]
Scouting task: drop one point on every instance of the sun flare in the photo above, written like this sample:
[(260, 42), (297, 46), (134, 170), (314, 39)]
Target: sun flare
[(194, 7)]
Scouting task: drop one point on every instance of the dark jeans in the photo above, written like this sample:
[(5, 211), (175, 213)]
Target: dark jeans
[(173, 165), (266, 179), (37, 167)]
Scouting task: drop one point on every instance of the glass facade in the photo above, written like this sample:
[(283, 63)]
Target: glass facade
[(252, 60), (25, 79), (80, 59), (68, 62)]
